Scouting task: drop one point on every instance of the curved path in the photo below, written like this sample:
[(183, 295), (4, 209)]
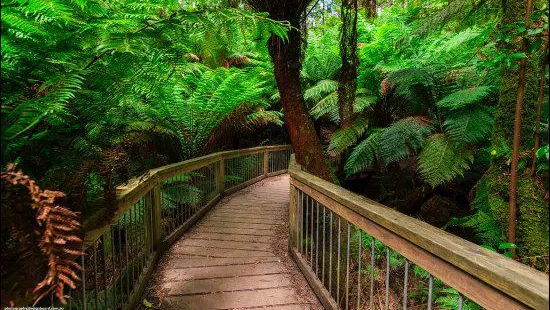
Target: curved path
[(236, 257)]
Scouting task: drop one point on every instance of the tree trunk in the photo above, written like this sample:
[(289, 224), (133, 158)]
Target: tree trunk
[(517, 131), (539, 109), (347, 80), (287, 65), (531, 210)]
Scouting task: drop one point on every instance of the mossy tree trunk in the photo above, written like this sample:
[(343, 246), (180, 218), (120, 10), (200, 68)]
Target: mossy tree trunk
[(532, 212)]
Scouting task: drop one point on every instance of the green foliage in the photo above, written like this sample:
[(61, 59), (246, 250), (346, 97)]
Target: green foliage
[(487, 228), (403, 138), (469, 126), (441, 160), (105, 90), (343, 138), (464, 98), (365, 154)]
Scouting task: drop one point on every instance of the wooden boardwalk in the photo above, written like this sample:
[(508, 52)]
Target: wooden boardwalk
[(236, 257)]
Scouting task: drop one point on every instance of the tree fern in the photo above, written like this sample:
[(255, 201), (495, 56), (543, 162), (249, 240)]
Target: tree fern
[(469, 126), (441, 160), (464, 98), (403, 138), (366, 153), (343, 138)]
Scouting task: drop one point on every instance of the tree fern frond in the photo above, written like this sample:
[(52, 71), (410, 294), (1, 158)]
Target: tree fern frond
[(365, 154), (343, 138), (464, 98), (327, 106), (441, 160), (469, 126), (403, 138), (321, 89)]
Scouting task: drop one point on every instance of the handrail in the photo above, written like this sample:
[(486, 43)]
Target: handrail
[(487, 278), (153, 211)]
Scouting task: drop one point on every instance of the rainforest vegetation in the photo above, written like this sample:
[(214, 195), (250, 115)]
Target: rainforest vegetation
[(436, 108)]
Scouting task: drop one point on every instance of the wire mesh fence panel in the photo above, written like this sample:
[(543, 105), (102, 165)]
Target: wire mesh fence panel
[(278, 160), (114, 262)]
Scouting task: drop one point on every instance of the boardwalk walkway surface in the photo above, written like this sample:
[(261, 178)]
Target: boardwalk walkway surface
[(236, 257)]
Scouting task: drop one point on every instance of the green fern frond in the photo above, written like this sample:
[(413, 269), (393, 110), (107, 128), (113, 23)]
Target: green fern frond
[(464, 98), (319, 90), (343, 138), (403, 138), (327, 106), (366, 153), (469, 126), (441, 160)]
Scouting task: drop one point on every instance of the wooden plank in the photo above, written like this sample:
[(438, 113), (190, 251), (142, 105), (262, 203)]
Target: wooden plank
[(237, 299), (223, 271), (318, 287), (476, 289), (240, 220), (183, 261), (227, 284), (237, 245), (237, 231), (231, 237), (220, 252), (222, 224)]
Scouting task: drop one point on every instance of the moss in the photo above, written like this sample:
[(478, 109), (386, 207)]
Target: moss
[(499, 209), (506, 108), (532, 229), (532, 219)]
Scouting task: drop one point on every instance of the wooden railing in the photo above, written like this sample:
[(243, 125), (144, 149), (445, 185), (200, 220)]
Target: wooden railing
[(155, 210), (357, 253)]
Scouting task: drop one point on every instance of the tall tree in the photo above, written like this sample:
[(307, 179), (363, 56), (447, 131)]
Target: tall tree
[(286, 57), (517, 132), (347, 80), (521, 206)]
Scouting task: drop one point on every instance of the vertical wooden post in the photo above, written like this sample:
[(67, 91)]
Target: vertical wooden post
[(266, 162), (292, 218), (157, 217), (220, 176)]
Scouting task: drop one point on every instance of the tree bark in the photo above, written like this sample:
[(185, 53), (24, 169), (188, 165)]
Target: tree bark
[(347, 80), (512, 225), (539, 109), (286, 56)]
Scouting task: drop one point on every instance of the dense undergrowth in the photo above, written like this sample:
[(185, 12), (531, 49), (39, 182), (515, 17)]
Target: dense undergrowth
[(97, 92)]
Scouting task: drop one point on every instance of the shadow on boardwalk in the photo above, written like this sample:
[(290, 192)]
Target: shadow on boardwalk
[(235, 258)]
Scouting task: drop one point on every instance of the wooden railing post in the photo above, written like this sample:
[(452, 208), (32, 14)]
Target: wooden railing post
[(292, 217), (157, 217), (266, 162), (220, 176)]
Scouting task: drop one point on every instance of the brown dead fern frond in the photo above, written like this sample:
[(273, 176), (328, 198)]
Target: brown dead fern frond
[(59, 242)]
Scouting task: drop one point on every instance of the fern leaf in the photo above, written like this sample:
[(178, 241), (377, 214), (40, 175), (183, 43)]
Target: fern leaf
[(343, 138), (403, 138), (469, 126), (441, 160), (464, 98), (365, 154)]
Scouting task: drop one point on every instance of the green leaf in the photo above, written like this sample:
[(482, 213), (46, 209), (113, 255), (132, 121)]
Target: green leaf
[(534, 46), (441, 160), (518, 56), (465, 98), (506, 246), (147, 304), (469, 126)]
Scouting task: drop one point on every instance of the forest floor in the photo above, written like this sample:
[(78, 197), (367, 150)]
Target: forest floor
[(236, 257)]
